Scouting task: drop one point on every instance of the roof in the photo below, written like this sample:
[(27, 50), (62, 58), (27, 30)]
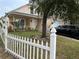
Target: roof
[(15, 12), (18, 8), (23, 14)]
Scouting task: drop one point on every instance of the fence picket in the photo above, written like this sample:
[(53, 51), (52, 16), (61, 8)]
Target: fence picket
[(37, 50), (34, 50), (16, 44), (10, 45), (19, 46), (24, 48), (13, 45), (27, 48), (46, 52), (30, 50), (42, 50)]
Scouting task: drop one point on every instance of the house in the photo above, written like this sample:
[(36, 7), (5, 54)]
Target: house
[(22, 19)]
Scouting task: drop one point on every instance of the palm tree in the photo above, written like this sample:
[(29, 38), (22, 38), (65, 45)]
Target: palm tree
[(60, 8)]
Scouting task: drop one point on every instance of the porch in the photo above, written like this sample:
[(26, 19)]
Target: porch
[(23, 22)]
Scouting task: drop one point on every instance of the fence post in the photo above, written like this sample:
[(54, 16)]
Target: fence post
[(5, 30), (52, 42)]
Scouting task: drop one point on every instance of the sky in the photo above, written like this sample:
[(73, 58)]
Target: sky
[(8, 5)]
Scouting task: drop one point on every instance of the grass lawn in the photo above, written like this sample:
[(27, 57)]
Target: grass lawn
[(27, 33), (66, 49)]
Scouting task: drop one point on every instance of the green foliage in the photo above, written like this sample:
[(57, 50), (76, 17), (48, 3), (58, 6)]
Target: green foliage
[(60, 8), (56, 7)]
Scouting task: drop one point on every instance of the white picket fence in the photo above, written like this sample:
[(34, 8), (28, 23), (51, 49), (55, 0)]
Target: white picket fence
[(29, 48)]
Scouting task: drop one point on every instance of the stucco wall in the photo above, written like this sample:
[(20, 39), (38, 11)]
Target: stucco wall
[(39, 25), (33, 23)]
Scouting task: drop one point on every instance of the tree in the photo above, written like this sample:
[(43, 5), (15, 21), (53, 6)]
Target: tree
[(60, 8)]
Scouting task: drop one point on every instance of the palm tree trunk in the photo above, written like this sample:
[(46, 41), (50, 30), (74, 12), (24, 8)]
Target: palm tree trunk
[(44, 26)]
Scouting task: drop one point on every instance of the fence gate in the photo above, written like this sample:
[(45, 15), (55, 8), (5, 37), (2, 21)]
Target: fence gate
[(29, 48)]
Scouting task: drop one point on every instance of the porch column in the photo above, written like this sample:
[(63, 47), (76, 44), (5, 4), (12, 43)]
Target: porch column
[(14, 24)]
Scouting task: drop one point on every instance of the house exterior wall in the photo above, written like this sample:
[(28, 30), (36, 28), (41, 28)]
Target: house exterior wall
[(29, 23), (39, 25), (33, 24)]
